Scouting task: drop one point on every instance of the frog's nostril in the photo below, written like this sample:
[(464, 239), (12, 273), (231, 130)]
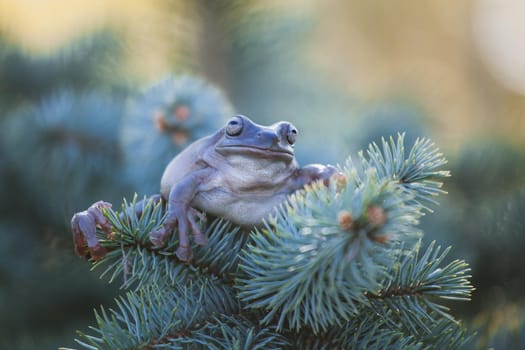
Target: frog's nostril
[(267, 137)]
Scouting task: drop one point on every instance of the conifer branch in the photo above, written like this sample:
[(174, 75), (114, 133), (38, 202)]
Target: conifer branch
[(310, 268), (236, 332), (327, 247), (336, 266), (132, 256), (409, 296), (157, 317), (417, 172), (403, 314), (363, 332)]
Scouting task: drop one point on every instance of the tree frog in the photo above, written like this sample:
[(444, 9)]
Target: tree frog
[(242, 172)]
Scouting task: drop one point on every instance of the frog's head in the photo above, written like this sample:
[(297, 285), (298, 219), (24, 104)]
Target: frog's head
[(243, 137)]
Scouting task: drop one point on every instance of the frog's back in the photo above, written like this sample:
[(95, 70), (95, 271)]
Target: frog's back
[(184, 163)]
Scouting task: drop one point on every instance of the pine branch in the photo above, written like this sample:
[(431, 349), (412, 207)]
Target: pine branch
[(403, 313), (337, 266), (370, 331), (236, 332), (417, 173), (409, 298), (328, 246), (364, 332), (132, 256), (314, 261), (155, 317)]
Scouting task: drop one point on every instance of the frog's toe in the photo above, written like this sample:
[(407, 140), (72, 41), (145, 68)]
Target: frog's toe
[(86, 244), (198, 236), (97, 252), (81, 248), (184, 253), (158, 238)]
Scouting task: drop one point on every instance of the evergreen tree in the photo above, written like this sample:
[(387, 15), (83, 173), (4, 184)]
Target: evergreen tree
[(337, 267)]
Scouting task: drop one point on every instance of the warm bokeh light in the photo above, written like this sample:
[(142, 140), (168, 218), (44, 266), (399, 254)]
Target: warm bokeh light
[(44, 26), (425, 51), (444, 58), (499, 32)]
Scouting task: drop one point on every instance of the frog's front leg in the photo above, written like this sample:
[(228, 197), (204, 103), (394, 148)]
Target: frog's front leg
[(314, 172), (183, 216), (84, 226)]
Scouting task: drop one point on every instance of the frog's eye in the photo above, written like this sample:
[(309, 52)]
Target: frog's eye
[(291, 135), (234, 126)]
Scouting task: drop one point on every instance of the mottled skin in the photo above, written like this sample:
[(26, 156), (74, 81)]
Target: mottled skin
[(241, 172)]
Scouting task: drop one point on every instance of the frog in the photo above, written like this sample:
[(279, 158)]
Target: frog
[(243, 172)]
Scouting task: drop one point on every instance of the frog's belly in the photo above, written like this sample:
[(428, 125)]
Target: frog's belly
[(243, 209)]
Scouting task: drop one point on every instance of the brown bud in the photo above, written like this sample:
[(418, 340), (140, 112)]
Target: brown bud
[(159, 119), (340, 181), (345, 220), (181, 113), (381, 238), (180, 137), (376, 216)]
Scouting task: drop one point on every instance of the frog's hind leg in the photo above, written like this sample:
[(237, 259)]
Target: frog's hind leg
[(198, 236)]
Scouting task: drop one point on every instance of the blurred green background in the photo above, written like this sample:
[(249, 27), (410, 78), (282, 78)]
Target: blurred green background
[(97, 96)]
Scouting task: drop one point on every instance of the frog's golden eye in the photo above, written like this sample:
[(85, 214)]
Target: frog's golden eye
[(234, 126), (291, 135)]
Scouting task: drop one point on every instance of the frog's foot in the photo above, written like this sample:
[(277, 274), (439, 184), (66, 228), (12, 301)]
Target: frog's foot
[(184, 253), (159, 237), (84, 227), (185, 219)]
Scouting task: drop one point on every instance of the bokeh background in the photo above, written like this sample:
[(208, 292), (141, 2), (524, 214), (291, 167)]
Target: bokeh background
[(96, 97)]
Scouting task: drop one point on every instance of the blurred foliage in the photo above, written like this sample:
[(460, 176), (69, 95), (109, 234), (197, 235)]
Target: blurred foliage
[(165, 119), (488, 169), (64, 148), (43, 292), (87, 62), (483, 216), (378, 120), (500, 327)]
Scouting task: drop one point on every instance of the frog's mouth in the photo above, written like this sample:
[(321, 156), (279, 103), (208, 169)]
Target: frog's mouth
[(256, 152)]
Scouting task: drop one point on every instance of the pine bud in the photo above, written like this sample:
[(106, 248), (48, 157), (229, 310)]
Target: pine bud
[(182, 113), (180, 137), (345, 220), (160, 120), (376, 216), (340, 181), (382, 238)]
